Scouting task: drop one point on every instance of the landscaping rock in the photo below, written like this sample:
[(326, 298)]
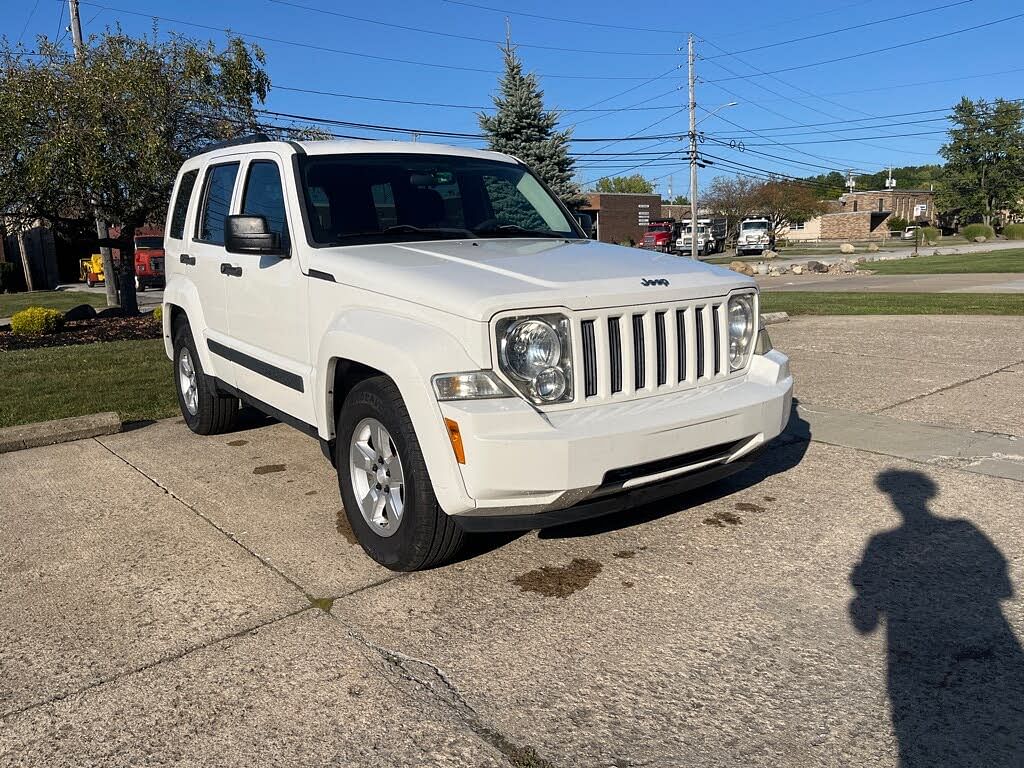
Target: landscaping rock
[(978, 239), (817, 267), (769, 255), (111, 312), (842, 268), (872, 248), (847, 248), (742, 267), (797, 269), (81, 312)]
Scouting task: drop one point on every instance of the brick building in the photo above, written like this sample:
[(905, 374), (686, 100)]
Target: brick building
[(621, 217)]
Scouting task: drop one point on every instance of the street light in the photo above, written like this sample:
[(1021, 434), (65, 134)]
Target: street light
[(693, 167)]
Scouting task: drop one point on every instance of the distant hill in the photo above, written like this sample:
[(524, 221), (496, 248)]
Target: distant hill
[(832, 185)]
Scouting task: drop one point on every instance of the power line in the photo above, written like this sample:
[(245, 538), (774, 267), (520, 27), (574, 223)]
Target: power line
[(575, 22), (873, 52), (31, 13), (901, 17), (472, 38), (343, 52)]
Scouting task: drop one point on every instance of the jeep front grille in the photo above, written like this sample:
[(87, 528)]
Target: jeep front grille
[(632, 352)]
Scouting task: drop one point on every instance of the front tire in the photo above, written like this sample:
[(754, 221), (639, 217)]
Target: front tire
[(384, 484), (205, 410)]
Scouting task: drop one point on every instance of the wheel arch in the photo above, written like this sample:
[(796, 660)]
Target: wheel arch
[(361, 344)]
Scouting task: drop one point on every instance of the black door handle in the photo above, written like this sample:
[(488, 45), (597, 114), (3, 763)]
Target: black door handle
[(230, 269), (186, 259)]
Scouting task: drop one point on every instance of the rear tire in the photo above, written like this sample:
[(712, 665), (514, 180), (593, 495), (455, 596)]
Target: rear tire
[(424, 536), (205, 410)]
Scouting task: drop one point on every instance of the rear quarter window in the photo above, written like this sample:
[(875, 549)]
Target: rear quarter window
[(181, 201)]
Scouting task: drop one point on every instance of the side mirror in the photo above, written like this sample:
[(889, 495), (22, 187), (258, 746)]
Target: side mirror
[(250, 235), (586, 222)]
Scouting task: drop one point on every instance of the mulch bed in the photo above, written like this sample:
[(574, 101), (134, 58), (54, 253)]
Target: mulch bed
[(86, 332)]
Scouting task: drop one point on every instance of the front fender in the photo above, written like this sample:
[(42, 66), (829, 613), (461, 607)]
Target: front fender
[(410, 352)]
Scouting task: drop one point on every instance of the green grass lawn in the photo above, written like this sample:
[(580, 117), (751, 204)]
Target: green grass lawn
[(1010, 260), (807, 303), (132, 378), (63, 300)]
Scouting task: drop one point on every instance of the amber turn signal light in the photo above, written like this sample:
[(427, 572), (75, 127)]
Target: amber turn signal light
[(456, 437)]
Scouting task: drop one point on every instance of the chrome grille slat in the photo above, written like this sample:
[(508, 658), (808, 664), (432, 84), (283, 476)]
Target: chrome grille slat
[(659, 334), (639, 368), (628, 353), (589, 359)]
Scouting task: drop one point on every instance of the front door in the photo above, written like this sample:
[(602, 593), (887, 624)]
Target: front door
[(267, 300)]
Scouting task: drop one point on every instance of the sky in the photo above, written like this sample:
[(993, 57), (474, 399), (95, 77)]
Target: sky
[(809, 114)]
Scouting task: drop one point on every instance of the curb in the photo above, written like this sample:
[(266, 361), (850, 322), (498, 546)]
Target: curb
[(60, 431), (770, 318)]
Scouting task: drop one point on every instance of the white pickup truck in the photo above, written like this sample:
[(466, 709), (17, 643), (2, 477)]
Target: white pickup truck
[(467, 358)]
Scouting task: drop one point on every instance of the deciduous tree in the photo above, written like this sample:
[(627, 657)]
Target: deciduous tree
[(984, 171), (636, 184), (732, 197), (785, 202), (106, 131)]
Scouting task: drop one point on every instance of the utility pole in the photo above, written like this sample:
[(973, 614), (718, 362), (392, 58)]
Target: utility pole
[(109, 273), (693, 153), (76, 25)]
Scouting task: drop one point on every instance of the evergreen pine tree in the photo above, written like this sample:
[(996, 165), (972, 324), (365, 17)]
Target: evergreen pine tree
[(523, 128)]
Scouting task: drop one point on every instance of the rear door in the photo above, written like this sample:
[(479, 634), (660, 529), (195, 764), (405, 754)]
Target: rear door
[(267, 298), (206, 254)]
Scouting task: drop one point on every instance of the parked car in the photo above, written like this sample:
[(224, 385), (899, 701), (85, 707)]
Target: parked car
[(909, 233), (467, 358)]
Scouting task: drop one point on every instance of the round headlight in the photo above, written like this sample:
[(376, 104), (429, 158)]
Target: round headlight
[(549, 384), (741, 326), (531, 346)]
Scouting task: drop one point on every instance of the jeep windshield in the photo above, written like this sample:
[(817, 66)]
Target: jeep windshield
[(358, 199)]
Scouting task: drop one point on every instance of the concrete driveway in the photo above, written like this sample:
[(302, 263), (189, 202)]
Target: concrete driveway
[(171, 599)]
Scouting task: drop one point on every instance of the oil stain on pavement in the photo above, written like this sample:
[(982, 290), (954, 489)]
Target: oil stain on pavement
[(559, 581), (268, 468), (345, 528), (237, 443), (723, 518)]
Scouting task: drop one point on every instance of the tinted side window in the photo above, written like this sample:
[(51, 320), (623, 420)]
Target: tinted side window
[(188, 183), (220, 181), (263, 196)]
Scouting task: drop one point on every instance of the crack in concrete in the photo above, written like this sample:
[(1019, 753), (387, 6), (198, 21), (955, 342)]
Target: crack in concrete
[(518, 756), (150, 665), (948, 387), (431, 677)]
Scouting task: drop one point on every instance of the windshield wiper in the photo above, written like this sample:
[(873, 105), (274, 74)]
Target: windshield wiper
[(515, 229), (427, 230)]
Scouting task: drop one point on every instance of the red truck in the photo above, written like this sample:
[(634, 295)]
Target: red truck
[(660, 236), (149, 262)]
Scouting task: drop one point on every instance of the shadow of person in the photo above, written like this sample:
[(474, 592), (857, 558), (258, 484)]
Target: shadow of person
[(955, 667)]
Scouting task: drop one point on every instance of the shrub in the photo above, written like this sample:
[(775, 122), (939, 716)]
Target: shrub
[(158, 315), (972, 231), (37, 321), (930, 234), (1014, 231), (897, 223)]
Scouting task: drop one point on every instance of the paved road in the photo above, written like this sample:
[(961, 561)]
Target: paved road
[(1010, 282), (147, 299), (180, 600)]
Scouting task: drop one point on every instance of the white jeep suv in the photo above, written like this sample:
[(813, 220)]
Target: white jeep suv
[(467, 358)]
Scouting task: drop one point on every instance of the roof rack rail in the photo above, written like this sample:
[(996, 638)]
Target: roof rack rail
[(251, 138)]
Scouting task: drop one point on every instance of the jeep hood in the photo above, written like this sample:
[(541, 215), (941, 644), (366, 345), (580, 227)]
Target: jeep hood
[(478, 278)]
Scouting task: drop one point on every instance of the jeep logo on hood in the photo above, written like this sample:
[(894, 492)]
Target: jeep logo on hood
[(656, 281)]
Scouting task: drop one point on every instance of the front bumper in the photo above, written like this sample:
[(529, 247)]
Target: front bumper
[(522, 462)]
